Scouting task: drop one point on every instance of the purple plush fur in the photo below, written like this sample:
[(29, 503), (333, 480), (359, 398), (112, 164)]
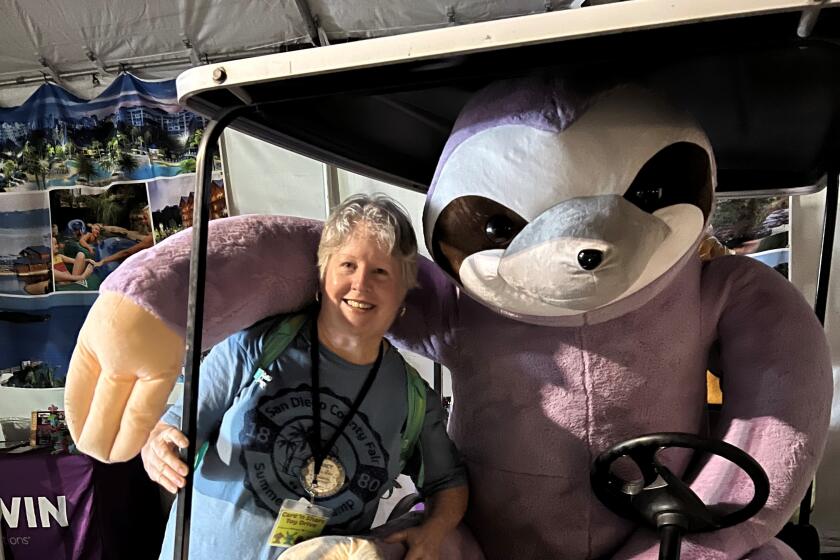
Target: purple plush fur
[(255, 267), (544, 102)]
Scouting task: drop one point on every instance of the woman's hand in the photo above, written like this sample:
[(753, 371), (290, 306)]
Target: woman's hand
[(423, 541), (160, 457), (444, 510)]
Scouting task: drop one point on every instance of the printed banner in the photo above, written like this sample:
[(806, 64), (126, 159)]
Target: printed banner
[(83, 186), (46, 507)]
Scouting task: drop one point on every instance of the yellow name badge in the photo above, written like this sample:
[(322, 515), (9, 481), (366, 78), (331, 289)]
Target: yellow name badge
[(298, 521)]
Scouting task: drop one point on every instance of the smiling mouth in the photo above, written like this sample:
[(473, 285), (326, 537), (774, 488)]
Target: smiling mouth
[(360, 305)]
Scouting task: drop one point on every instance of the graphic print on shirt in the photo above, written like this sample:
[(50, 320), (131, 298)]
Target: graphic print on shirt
[(275, 446)]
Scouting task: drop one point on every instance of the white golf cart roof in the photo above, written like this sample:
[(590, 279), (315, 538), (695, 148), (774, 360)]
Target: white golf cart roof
[(761, 76)]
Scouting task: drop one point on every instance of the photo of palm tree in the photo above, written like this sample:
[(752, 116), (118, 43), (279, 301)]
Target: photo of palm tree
[(173, 201), (134, 131)]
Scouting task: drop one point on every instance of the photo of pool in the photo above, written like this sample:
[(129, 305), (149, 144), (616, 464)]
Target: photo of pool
[(95, 230), (104, 248)]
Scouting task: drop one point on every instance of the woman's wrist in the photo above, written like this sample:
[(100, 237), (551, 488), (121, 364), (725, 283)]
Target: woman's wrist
[(446, 508), (440, 524)]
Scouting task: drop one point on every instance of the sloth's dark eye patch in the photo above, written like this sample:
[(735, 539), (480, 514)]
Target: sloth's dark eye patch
[(500, 229), (677, 174), (648, 198), (470, 224)]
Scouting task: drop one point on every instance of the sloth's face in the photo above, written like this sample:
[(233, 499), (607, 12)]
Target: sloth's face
[(542, 257), (471, 224)]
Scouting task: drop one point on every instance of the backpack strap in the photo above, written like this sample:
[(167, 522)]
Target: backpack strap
[(416, 413), (277, 339)]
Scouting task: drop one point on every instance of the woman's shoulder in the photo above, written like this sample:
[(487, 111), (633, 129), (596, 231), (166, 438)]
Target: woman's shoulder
[(253, 339), (397, 360), (391, 353)]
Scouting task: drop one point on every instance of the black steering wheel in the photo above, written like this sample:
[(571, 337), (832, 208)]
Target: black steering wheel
[(661, 499)]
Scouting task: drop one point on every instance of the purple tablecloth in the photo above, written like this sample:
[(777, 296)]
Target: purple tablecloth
[(70, 507)]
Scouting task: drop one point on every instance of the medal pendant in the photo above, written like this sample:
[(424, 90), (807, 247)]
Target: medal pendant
[(330, 479)]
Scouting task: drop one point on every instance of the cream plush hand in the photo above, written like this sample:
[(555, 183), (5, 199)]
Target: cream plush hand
[(123, 369), (131, 348)]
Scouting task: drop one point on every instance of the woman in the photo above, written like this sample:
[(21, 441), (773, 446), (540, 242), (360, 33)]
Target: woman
[(89, 240), (334, 398), (79, 271), (81, 267)]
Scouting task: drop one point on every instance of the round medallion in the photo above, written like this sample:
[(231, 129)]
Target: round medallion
[(330, 480)]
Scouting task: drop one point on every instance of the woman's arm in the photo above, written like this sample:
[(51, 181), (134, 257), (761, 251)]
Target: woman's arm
[(444, 511), (446, 508), (83, 241), (443, 485), (145, 243), (129, 233), (114, 229)]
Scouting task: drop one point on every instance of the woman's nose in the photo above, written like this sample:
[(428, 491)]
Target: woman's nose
[(361, 280)]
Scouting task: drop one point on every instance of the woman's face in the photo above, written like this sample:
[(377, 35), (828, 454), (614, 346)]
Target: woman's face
[(363, 286)]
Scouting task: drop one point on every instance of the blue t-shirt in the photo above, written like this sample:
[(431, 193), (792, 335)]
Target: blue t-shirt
[(259, 442)]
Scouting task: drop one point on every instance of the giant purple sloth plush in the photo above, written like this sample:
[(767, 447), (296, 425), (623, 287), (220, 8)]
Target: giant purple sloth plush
[(567, 299)]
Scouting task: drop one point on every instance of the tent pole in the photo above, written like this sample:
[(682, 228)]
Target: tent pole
[(332, 193)]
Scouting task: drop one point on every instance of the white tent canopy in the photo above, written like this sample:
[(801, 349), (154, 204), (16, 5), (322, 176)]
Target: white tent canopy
[(70, 40)]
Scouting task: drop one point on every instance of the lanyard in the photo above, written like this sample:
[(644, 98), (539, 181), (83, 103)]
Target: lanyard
[(319, 452)]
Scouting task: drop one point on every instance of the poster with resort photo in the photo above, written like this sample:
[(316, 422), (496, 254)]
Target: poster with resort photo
[(173, 200), (133, 131), (94, 230), (24, 242), (758, 227)]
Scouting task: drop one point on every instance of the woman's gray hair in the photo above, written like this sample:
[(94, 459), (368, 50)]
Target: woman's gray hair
[(384, 219)]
